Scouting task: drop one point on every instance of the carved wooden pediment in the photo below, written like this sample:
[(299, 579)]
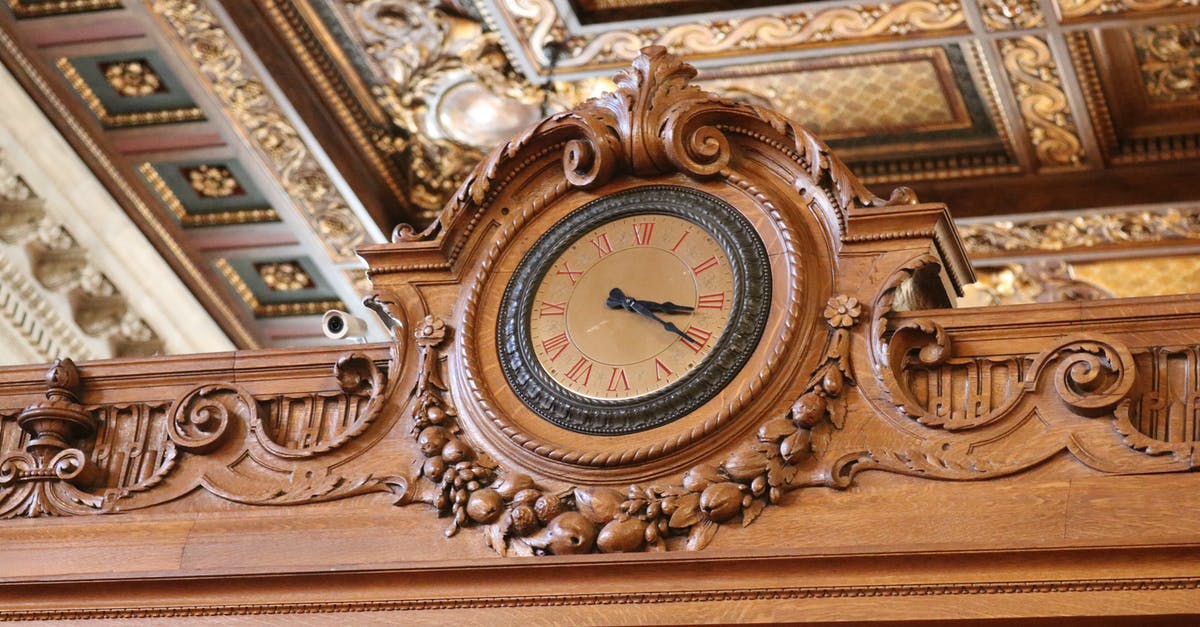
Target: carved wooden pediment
[(859, 362)]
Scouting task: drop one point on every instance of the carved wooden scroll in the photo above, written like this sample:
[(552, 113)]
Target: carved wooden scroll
[(863, 364)]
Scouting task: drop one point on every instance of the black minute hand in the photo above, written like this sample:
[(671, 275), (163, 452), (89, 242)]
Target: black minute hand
[(618, 299)]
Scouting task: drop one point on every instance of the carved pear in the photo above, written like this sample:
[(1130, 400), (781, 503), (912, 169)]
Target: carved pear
[(622, 535), (484, 505), (569, 534)]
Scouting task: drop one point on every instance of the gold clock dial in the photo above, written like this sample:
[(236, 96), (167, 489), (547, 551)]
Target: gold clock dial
[(631, 306)]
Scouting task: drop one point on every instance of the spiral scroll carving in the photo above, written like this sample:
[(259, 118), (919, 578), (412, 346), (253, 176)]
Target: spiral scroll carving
[(1093, 376), (198, 421)]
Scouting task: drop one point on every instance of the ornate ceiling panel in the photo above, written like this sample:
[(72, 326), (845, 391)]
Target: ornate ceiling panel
[(205, 154), (259, 143)]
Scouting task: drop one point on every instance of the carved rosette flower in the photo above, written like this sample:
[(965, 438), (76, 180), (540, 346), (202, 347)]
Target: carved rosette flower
[(430, 332), (842, 311)]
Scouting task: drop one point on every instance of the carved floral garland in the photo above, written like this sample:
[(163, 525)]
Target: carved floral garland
[(521, 518)]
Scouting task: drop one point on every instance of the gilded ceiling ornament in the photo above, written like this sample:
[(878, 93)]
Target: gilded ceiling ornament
[(248, 103), (284, 276), (213, 181), (1073, 10), (1044, 108), (1011, 14), (448, 85), (138, 118), (540, 23), (35, 8), (133, 78), (208, 218), (1042, 281), (1169, 56), (272, 310), (1082, 231)]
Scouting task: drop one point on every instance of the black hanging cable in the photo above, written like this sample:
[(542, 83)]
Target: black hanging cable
[(553, 50)]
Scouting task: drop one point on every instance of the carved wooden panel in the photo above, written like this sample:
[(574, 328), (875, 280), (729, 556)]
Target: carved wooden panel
[(1040, 419)]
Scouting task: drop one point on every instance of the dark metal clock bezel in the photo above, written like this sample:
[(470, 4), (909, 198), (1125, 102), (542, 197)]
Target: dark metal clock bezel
[(751, 305)]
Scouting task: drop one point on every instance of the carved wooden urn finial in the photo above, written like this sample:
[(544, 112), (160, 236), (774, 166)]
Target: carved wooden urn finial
[(54, 422)]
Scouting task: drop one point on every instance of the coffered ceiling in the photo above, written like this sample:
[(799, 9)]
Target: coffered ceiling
[(256, 144)]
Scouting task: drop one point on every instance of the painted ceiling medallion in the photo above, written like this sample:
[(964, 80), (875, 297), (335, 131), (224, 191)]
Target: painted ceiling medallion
[(133, 78)]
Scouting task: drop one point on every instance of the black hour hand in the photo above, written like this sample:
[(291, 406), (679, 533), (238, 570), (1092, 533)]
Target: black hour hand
[(618, 300)]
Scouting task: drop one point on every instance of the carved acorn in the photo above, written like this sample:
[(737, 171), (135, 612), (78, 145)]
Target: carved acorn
[(700, 477), (775, 430), (569, 533), (510, 484), (745, 464), (524, 519), (527, 496), (809, 409), (548, 506), (484, 505), (622, 535), (796, 447), (432, 439), (833, 381), (721, 501)]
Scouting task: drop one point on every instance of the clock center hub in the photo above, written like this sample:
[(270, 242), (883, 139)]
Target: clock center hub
[(616, 337)]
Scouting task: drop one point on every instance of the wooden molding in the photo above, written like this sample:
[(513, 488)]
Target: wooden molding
[(1060, 433)]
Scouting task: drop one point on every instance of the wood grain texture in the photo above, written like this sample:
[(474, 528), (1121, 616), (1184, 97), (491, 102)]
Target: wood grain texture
[(882, 457)]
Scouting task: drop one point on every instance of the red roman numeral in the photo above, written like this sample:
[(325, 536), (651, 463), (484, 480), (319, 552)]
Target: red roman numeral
[(552, 309), (618, 379), (681, 237), (660, 370), (571, 274), (704, 265), (556, 345), (601, 244), (699, 338), (642, 231), (711, 301), (582, 368)]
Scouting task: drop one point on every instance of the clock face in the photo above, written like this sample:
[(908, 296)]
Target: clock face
[(632, 306), (634, 310)]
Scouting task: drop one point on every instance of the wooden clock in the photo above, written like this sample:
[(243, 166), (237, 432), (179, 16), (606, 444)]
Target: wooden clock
[(633, 310)]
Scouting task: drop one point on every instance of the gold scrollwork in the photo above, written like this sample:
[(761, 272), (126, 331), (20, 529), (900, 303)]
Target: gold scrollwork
[(264, 123), (1082, 231), (1011, 14), (1169, 63), (1035, 80), (540, 23), (1074, 10)]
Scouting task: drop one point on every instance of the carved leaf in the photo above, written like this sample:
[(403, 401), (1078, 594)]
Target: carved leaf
[(701, 534), (688, 511), (750, 514)]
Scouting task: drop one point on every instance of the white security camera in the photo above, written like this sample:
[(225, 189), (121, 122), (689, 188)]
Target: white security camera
[(339, 325)]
